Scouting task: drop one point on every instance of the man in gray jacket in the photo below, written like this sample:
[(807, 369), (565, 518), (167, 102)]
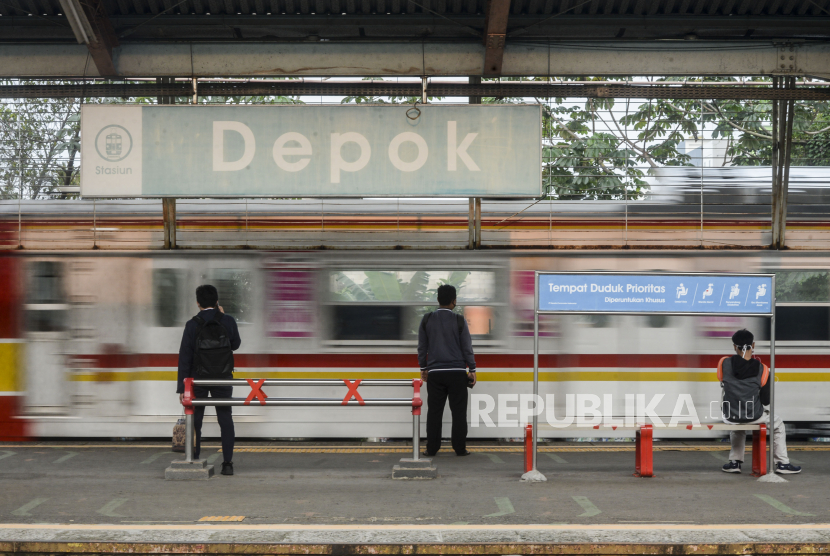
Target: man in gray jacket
[(445, 352)]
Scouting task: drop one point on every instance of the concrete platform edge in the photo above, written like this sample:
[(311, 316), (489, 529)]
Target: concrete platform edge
[(428, 539)]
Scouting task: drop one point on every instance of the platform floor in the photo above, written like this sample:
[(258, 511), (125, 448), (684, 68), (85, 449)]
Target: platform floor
[(123, 484)]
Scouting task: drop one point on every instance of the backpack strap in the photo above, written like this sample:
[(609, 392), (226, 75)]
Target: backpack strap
[(720, 368), (764, 373)]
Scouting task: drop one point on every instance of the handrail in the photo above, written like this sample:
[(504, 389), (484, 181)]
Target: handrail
[(258, 397)]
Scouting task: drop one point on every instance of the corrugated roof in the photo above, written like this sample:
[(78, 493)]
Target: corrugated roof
[(429, 19)]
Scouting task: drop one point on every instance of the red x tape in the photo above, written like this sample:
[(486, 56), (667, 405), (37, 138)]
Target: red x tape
[(352, 393), (256, 391)]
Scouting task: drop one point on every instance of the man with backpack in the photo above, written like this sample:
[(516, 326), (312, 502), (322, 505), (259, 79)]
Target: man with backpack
[(208, 343), (445, 352), (746, 390)]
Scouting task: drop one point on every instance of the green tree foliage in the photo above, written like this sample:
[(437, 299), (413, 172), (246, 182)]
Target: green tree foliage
[(39, 146)]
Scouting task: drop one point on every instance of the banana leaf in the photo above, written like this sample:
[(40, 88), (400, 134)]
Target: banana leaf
[(350, 291), (384, 285), (416, 289)]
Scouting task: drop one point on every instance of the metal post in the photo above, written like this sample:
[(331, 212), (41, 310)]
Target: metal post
[(775, 183), (535, 365), (533, 475), (471, 225), (478, 222), (168, 206), (771, 428), (625, 196), (424, 97), (785, 166), (416, 436), (20, 195), (188, 437), (702, 162)]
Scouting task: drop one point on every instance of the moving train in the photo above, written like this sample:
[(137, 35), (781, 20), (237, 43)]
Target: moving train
[(91, 337)]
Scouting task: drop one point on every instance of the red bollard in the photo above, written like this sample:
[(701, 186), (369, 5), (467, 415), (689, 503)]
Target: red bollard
[(643, 460), (759, 452), (528, 448)]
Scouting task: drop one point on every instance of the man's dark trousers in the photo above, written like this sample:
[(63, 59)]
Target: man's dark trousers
[(223, 415), (440, 386)]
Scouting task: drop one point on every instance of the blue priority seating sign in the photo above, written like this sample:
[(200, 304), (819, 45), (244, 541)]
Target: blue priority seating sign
[(656, 293)]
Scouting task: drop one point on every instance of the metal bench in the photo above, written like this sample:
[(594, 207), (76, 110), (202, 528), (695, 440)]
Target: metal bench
[(644, 449)]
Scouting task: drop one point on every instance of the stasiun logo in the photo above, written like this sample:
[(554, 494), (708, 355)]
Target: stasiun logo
[(114, 143), (516, 410)]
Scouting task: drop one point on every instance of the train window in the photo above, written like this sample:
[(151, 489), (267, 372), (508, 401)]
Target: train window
[(400, 299), (46, 284), (480, 320), (45, 310), (45, 320), (235, 292), (802, 286), (801, 324), (167, 287), (657, 321), (597, 321), (367, 322), (410, 286)]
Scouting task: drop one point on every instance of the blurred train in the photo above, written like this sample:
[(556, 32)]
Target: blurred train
[(91, 337), (682, 207)]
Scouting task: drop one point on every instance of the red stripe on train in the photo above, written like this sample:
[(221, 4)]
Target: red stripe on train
[(410, 361)]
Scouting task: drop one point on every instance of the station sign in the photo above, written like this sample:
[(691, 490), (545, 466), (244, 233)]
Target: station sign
[(656, 293), (311, 151)]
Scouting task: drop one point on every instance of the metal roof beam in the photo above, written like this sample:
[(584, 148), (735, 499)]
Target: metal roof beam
[(334, 59), (440, 88), (495, 30), (91, 26)]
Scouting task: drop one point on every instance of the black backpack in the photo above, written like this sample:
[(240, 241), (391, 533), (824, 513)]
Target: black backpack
[(214, 357)]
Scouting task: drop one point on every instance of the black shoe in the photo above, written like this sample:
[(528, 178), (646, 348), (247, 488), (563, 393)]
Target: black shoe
[(787, 468), (464, 453), (227, 468), (732, 467), (427, 454)]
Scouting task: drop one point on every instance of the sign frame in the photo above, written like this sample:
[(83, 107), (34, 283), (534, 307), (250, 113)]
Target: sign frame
[(534, 474), (89, 191)]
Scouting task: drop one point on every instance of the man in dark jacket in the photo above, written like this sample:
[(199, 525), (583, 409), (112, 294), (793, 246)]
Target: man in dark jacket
[(207, 299), (445, 352), (746, 390)]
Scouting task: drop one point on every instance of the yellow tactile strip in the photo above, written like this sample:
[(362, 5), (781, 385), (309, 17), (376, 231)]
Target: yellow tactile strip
[(503, 449), (223, 518)]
